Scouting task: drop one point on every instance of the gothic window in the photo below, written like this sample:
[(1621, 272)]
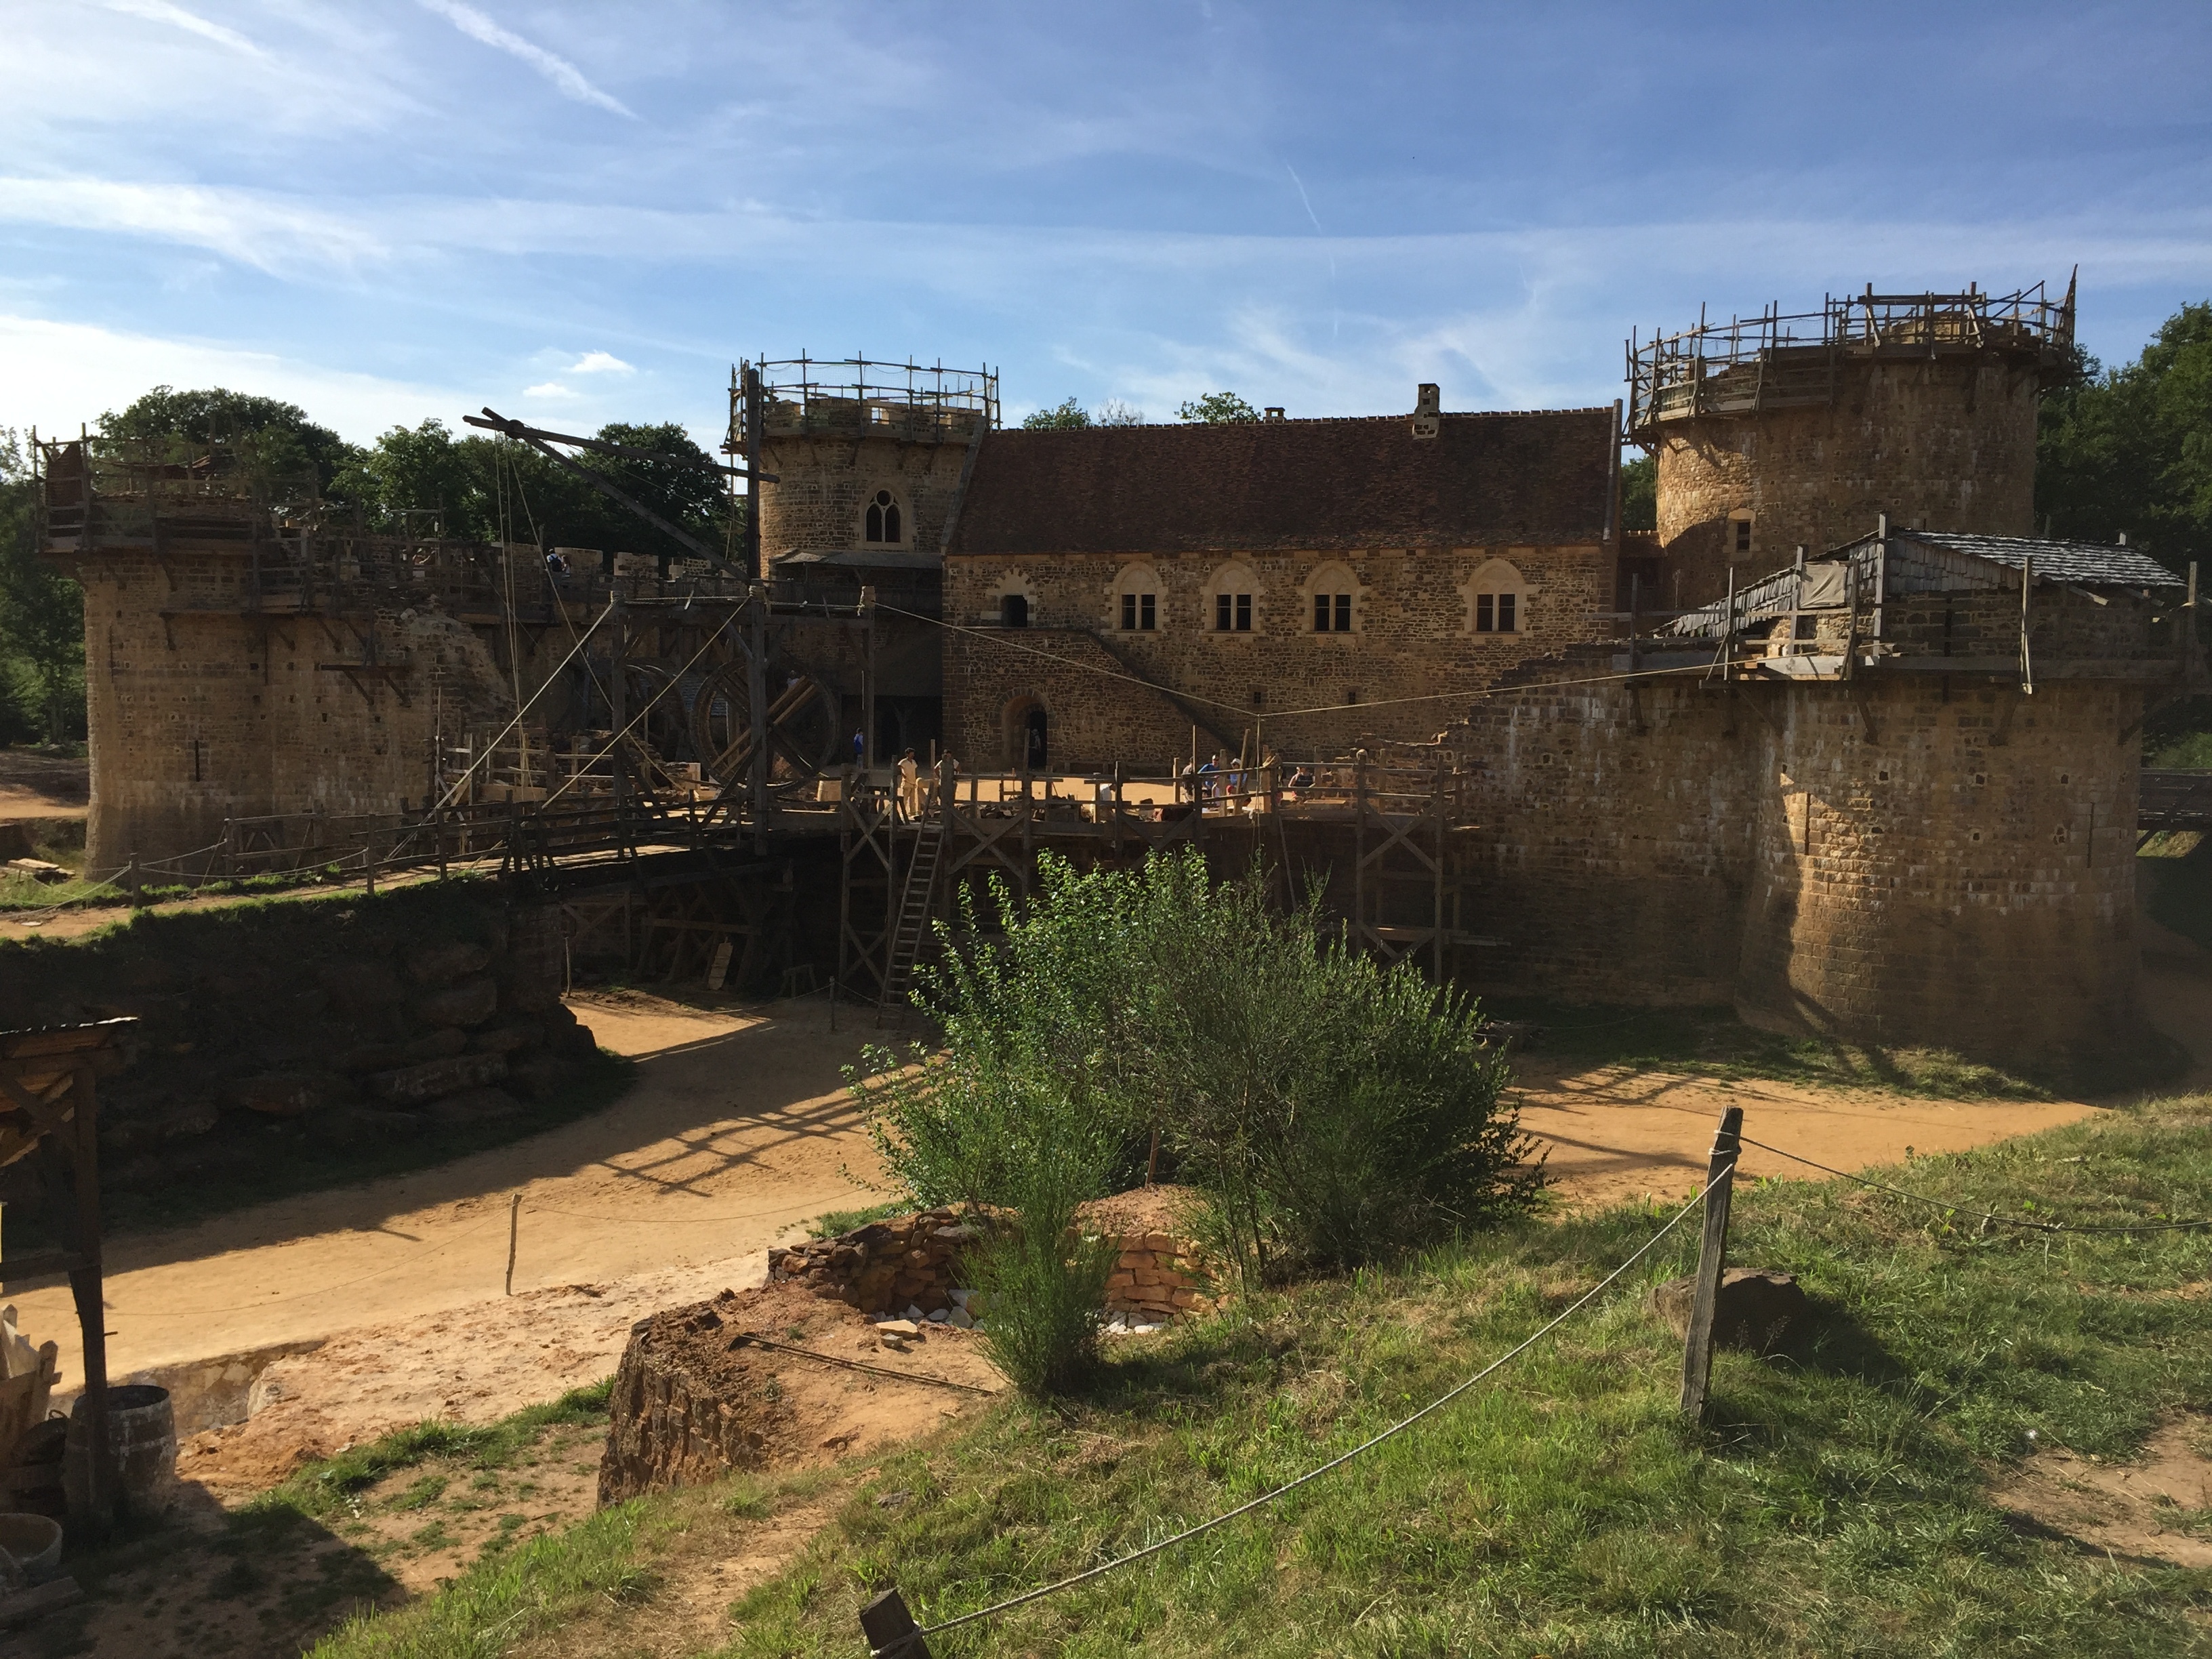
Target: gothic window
[(883, 527), (1498, 598), (1232, 601), (1136, 599), (1333, 594)]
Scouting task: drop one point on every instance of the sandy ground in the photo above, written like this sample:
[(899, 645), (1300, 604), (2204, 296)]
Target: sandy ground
[(34, 786), (736, 1133)]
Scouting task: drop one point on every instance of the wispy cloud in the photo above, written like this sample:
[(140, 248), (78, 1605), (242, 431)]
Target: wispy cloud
[(548, 391), (566, 77), (273, 234), (600, 362), (163, 11)]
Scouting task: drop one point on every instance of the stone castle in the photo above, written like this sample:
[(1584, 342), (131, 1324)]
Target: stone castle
[(1841, 743)]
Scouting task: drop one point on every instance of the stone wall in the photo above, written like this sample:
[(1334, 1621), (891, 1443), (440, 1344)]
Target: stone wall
[(1907, 859), (340, 1022), (197, 712), (1943, 444), (1412, 636), (827, 480)]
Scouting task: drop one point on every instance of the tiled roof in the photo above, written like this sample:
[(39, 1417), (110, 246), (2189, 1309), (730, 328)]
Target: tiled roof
[(1487, 480), (2088, 563)]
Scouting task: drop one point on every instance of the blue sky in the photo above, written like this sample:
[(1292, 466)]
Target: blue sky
[(392, 210)]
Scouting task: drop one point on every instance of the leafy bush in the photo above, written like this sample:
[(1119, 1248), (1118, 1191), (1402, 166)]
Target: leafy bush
[(1333, 1111)]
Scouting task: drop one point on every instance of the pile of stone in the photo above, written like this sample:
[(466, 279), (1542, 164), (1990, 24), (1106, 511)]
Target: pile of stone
[(905, 1262), (908, 1267)]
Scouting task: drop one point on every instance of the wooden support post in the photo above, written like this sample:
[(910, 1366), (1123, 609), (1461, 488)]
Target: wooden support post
[(1712, 1257), (891, 1629), (868, 678), (514, 1227), (85, 1291), (757, 690)]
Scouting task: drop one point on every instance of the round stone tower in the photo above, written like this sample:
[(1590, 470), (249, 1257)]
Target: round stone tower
[(868, 458), (1775, 431)]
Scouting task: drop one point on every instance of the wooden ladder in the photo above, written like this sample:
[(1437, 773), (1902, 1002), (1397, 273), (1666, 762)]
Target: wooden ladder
[(913, 916)]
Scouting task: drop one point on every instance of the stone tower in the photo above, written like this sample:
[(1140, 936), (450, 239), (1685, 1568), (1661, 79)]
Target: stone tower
[(1775, 431), (868, 458)]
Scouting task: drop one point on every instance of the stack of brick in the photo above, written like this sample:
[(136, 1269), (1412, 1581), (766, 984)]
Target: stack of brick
[(1158, 1276)]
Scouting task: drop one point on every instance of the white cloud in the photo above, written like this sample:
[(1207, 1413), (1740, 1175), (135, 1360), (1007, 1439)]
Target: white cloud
[(548, 391), (600, 362), (61, 374), (271, 233), (161, 11), (566, 77)]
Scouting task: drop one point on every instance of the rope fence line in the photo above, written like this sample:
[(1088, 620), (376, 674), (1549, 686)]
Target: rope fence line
[(1985, 1215), (908, 1641)]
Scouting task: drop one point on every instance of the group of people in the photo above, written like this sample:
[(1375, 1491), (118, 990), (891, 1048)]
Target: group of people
[(1222, 777)]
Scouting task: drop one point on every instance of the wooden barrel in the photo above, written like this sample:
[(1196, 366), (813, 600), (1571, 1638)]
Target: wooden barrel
[(141, 1439)]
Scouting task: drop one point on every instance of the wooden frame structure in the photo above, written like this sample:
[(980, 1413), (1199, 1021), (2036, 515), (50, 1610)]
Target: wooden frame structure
[(902, 859), (51, 1111)]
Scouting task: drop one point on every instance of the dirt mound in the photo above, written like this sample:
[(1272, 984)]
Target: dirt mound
[(696, 1397)]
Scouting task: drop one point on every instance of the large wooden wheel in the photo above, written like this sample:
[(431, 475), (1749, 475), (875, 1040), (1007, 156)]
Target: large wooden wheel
[(802, 726)]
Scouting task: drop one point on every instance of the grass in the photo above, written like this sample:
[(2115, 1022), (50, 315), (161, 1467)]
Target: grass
[(1839, 1501), (1713, 1042), (831, 1222), (322, 1489)]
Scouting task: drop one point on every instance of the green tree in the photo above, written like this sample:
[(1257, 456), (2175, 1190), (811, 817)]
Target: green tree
[(41, 618), (422, 469), (2130, 449), (276, 440), (1639, 493), (1062, 417), (1218, 409)]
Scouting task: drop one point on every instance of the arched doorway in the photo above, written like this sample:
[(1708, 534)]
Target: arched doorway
[(1027, 735)]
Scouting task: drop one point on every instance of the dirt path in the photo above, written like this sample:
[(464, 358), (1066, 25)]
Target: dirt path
[(736, 1132), (35, 785)]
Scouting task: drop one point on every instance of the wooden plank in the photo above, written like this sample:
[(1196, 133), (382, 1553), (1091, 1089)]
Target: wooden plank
[(1712, 1255), (39, 1600)]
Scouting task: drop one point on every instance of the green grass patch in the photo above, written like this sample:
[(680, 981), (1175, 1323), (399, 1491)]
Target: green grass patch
[(831, 1222), (321, 1489), (1839, 1501)]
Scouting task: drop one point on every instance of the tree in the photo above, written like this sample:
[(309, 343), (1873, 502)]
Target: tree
[(277, 442), (2130, 449), (1218, 409), (1639, 493), (422, 469), (41, 618), (1062, 417)]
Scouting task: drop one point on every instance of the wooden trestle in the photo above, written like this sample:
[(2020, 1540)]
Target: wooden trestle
[(1376, 838)]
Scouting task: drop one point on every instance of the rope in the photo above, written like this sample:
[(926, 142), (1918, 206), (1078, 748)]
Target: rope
[(1984, 1215), (1397, 1428), (1475, 695), (615, 742), (492, 748)]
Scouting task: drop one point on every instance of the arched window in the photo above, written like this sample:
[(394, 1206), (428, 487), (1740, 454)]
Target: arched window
[(1233, 600), (1137, 603), (1014, 603), (1332, 600), (1013, 610), (1497, 597), (885, 526)]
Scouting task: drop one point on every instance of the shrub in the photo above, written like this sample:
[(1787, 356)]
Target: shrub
[(1332, 1111)]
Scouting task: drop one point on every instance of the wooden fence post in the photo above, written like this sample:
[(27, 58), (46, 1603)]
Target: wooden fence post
[(891, 1629), (1712, 1255)]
